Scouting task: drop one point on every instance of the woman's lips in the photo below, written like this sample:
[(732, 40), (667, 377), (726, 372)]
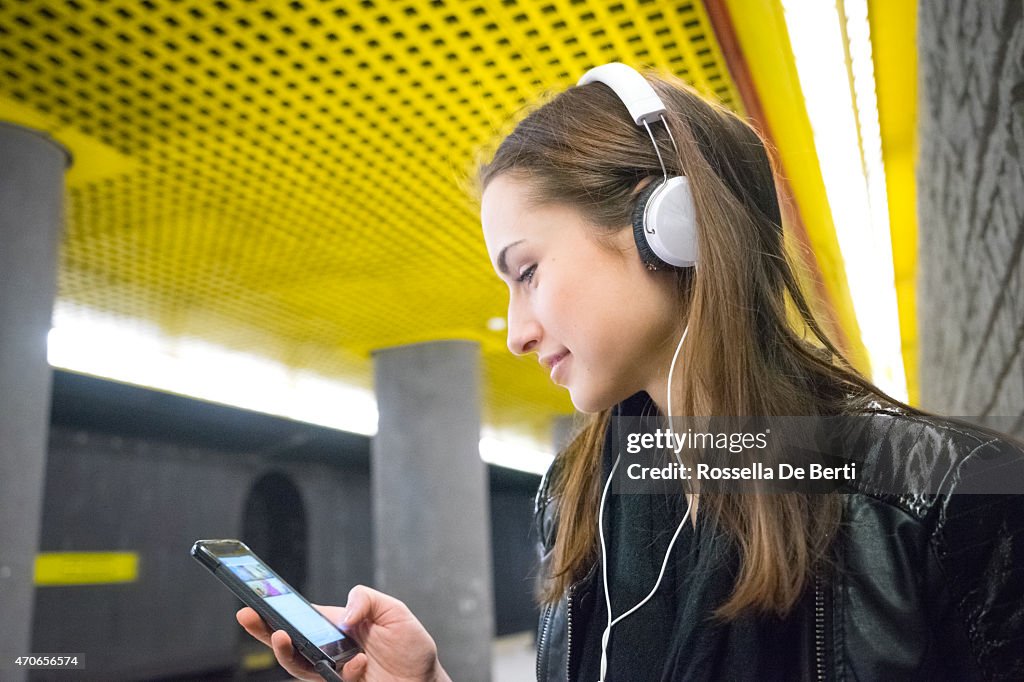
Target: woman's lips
[(558, 366)]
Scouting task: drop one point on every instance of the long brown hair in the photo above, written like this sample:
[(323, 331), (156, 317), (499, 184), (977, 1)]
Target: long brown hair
[(743, 354)]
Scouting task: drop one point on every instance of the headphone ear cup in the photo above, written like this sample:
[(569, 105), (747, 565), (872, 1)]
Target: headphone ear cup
[(665, 224), (647, 255)]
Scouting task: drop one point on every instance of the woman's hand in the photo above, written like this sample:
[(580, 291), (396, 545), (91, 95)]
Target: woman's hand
[(395, 644)]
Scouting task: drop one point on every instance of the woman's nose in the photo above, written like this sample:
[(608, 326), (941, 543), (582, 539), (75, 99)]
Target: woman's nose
[(523, 334), (519, 347)]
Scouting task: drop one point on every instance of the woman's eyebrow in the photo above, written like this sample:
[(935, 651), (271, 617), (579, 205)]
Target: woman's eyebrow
[(502, 265)]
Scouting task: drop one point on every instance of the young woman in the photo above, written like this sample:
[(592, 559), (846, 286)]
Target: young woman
[(691, 307)]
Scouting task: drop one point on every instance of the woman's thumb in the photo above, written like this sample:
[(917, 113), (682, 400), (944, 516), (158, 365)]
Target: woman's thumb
[(358, 605)]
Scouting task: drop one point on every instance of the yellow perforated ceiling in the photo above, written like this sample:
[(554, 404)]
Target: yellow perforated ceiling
[(282, 177)]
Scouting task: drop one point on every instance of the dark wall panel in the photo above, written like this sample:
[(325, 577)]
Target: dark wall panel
[(108, 493), (515, 562)]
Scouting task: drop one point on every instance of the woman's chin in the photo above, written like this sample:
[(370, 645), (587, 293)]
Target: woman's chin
[(587, 403)]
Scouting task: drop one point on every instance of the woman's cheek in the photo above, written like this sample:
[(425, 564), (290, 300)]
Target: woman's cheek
[(548, 311)]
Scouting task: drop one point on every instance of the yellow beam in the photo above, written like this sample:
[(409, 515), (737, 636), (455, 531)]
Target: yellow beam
[(894, 52), (764, 40)]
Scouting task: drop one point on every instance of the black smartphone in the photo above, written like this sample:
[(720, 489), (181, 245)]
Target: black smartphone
[(281, 607)]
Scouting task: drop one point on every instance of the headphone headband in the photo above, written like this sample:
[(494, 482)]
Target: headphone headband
[(636, 93), (664, 219)]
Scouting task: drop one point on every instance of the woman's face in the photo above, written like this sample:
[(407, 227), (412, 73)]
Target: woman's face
[(606, 323)]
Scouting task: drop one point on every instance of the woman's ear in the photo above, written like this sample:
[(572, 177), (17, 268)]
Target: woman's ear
[(642, 184)]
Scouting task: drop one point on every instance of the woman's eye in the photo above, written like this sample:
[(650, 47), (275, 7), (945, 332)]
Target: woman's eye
[(527, 274)]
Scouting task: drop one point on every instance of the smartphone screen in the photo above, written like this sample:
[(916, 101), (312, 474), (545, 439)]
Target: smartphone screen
[(258, 586), (278, 596)]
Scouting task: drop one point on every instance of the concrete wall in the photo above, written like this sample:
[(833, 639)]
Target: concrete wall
[(971, 207)]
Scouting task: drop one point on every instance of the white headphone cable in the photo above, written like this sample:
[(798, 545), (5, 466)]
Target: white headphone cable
[(606, 635), (668, 386)]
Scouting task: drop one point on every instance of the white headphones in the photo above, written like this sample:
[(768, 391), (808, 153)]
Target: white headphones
[(607, 634), (664, 222), (665, 230)]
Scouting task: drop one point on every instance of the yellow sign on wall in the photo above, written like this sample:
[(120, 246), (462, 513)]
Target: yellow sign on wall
[(258, 660), (86, 568)]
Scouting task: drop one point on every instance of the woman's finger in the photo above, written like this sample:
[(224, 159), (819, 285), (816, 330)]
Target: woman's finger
[(253, 624), (335, 614), (365, 603), (291, 660), (357, 607), (355, 668)]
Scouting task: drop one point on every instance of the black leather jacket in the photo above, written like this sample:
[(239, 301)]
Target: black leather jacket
[(928, 586)]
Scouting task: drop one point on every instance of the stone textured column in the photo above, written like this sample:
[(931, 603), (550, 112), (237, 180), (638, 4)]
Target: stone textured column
[(430, 498), (31, 199), (970, 177)]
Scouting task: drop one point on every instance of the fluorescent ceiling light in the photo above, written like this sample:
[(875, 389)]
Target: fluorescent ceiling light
[(511, 453), (854, 180), (139, 353)]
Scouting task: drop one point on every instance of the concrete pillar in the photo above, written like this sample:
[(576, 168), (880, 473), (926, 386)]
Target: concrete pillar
[(970, 176), (31, 199), (430, 498)]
